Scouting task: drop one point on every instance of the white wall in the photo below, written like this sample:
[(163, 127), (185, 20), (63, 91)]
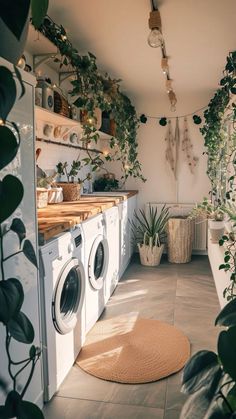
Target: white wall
[(161, 185)]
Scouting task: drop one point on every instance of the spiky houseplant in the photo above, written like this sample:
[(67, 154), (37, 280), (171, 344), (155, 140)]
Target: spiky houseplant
[(149, 232)]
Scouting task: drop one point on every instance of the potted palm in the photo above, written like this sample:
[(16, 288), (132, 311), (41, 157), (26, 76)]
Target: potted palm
[(215, 213), (149, 232)]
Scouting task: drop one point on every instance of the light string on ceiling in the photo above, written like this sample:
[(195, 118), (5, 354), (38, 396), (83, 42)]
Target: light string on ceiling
[(155, 40), (163, 119)]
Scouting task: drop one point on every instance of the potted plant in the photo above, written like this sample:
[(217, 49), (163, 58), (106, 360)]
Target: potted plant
[(215, 213), (71, 188), (105, 183), (149, 232)]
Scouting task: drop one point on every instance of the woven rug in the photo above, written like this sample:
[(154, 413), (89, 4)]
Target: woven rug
[(133, 350)]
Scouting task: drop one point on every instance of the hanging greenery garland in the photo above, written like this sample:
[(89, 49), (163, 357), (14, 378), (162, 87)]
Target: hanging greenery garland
[(91, 90)]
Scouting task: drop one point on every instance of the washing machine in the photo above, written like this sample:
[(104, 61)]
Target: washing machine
[(63, 306), (96, 257), (112, 232)]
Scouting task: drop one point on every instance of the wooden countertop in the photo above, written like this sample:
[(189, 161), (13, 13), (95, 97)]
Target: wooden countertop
[(56, 218)]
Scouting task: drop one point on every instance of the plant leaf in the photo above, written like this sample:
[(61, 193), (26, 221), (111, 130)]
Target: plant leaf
[(28, 410), (199, 370), (21, 11), (8, 146), (200, 403), (11, 299), (29, 252), (227, 350), (18, 75), (21, 329), (227, 316), (18, 227), (7, 92), (11, 194), (12, 404), (39, 10)]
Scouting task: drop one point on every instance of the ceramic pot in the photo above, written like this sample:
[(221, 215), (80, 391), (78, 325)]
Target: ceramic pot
[(12, 48), (216, 230)]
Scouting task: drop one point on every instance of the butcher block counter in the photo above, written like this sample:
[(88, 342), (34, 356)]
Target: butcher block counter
[(56, 218)]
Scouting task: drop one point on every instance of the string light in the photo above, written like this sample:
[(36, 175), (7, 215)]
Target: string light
[(1, 122)]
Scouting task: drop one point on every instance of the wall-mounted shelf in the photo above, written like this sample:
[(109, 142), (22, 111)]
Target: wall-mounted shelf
[(44, 52), (50, 117)]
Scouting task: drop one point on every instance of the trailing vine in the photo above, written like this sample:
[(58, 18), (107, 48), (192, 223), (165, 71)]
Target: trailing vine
[(91, 90)]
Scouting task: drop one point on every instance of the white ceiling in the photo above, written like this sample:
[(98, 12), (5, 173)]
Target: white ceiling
[(198, 35)]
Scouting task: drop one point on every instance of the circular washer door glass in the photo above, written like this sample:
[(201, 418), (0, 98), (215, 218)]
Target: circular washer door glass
[(68, 297), (98, 261)]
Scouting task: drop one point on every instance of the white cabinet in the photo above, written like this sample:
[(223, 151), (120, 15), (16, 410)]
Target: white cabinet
[(23, 166), (221, 278), (126, 213)]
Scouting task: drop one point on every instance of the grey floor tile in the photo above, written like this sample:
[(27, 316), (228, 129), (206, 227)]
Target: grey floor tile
[(180, 294), (68, 408), (78, 384)]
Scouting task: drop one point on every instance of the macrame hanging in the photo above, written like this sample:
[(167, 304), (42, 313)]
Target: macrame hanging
[(170, 147), (187, 148), (177, 138)]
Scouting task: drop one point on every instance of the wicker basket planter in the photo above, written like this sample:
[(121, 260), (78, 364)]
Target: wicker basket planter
[(42, 197), (216, 230), (71, 191), (150, 255), (179, 239)]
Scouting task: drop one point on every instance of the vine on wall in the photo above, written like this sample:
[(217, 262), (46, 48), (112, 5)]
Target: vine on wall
[(91, 90)]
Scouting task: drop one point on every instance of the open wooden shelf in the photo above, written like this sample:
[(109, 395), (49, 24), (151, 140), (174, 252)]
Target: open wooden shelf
[(50, 117)]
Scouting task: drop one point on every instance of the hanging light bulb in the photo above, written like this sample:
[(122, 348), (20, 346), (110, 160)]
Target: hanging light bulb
[(155, 38)]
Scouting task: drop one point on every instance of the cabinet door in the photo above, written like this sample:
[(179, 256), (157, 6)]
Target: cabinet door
[(132, 204), (18, 266)]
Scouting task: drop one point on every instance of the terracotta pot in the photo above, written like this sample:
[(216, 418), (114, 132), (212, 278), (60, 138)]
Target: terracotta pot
[(10, 47), (71, 191)]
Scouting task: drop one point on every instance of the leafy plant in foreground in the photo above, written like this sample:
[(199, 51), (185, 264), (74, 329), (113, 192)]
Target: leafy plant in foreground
[(209, 378)]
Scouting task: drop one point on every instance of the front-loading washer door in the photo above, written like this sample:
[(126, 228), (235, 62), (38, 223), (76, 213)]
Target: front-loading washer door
[(68, 297), (98, 261)]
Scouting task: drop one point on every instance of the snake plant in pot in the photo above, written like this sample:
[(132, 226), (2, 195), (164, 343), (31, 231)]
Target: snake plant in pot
[(149, 232)]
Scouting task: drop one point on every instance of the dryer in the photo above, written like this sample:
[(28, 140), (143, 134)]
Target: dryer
[(111, 218), (63, 298), (96, 257)]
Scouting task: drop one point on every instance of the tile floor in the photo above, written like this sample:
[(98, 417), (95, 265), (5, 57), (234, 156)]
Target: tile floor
[(183, 295)]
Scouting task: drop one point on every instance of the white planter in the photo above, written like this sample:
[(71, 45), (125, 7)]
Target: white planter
[(150, 255), (55, 195), (216, 230)]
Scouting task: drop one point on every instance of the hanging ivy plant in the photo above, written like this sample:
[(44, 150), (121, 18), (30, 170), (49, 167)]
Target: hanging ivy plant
[(91, 90)]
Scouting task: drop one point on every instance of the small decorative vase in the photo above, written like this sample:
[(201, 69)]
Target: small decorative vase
[(150, 255), (216, 229)]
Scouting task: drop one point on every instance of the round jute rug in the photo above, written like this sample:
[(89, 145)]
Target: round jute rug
[(133, 350)]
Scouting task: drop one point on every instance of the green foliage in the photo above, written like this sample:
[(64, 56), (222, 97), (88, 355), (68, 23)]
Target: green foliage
[(207, 209), (210, 378), (39, 10), (17, 325), (93, 90), (62, 169), (150, 229), (104, 184)]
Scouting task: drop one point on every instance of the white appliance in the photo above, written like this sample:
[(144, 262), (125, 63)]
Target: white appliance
[(63, 295), (96, 257), (111, 218), (23, 166)]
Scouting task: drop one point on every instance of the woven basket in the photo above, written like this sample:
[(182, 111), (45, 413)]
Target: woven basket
[(179, 239), (71, 191), (42, 197), (150, 255), (61, 105)]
